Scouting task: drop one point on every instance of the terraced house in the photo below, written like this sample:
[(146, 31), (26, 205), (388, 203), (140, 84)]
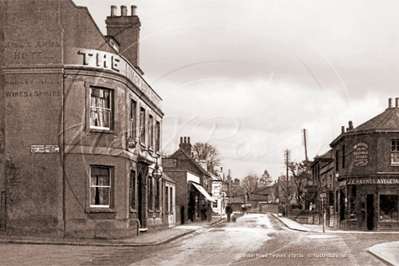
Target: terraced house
[(80, 128)]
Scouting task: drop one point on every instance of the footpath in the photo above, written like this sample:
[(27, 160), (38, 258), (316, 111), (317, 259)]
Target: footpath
[(388, 252), (144, 239)]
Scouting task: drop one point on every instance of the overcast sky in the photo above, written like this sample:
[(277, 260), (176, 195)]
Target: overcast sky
[(247, 76)]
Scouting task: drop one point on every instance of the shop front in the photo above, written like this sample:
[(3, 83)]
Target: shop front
[(372, 204)]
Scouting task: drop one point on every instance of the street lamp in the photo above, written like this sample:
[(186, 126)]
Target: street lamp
[(156, 173)]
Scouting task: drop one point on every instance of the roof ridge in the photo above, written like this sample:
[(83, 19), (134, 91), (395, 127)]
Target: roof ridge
[(387, 117)]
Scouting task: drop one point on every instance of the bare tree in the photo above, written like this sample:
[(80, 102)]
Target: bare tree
[(205, 151), (301, 174), (250, 182)]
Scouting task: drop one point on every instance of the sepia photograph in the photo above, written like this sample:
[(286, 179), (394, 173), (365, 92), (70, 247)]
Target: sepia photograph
[(207, 132)]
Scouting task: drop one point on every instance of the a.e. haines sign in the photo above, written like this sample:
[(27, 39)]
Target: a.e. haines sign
[(113, 62), (373, 181)]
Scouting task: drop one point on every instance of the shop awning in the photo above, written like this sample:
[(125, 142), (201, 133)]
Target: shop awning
[(203, 192)]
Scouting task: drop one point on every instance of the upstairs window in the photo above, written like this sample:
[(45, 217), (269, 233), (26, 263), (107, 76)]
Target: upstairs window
[(158, 136), (133, 117), (336, 160), (150, 132), (395, 151), (100, 108), (343, 156), (142, 126)]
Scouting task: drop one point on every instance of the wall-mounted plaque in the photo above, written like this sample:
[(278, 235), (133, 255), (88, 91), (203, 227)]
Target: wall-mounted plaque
[(361, 154), (44, 149)]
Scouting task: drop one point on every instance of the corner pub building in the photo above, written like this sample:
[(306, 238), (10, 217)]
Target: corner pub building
[(367, 173), (80, 129)]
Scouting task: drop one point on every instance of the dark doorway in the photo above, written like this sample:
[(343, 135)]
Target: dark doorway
[(140, 199), (370, 211), (341, 205), (182, 214)]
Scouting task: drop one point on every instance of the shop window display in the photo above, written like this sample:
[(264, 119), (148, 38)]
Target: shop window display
[(388, 208)]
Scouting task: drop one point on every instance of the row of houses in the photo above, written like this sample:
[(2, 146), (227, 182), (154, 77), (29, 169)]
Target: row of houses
[(80, 130), (356, 182)]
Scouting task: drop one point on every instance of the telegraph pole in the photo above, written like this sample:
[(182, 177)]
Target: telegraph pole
[(287, 154), (304, 142)]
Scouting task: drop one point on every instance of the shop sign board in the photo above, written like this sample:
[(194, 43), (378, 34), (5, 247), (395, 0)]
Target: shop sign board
[(361, 154), (373, 181)]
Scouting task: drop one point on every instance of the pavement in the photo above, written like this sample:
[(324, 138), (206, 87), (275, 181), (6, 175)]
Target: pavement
[(388, 252), (151, 238)]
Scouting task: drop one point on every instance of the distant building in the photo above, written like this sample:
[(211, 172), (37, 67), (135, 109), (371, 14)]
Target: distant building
[(323, 182), (193, 184)]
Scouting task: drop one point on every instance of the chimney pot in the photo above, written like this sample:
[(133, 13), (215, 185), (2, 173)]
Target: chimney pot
[(350, 125), (134, 8), (389, 103), (396, 102), (123, 11), (185, 139), (113, 11), (181, 139), (342, 129), (188, 139)]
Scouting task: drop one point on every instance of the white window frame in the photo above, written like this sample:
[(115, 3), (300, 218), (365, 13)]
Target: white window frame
[(109, 110), (109, 186), (395, 152)]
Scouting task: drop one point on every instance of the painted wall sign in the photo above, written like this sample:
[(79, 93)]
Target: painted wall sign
[(44, 149), (361, 154), (113, 62), (373, 181), (31, 93), (169, 163)]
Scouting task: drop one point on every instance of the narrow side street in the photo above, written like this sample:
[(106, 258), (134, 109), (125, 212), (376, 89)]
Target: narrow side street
[(255, 239)]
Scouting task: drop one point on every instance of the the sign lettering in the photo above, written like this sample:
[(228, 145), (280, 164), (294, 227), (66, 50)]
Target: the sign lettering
[(373, 181), (31, 94), (105, 60), (361, 154)]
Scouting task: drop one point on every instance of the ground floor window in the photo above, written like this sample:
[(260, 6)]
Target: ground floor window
[(132, 190), (388, 208), (100, 187)]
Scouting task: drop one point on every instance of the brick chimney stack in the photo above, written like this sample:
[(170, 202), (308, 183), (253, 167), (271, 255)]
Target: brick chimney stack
[(126, 31), (185, 145)]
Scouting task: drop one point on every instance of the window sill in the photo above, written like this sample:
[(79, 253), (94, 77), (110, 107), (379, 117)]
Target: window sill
[(99, 130), (150, 211), (93, 209), (157, 211), (132, 210), (394, 164)]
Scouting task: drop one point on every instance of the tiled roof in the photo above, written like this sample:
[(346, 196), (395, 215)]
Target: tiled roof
[(263, 191), (387, 120), (257, 197), (192, 160)]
